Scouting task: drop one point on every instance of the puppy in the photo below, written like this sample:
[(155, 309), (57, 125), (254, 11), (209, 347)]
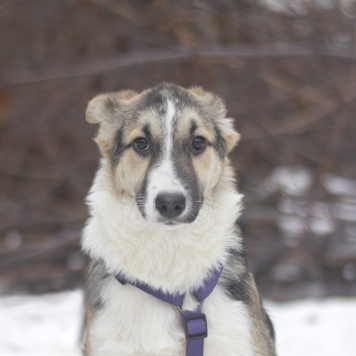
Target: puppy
[(163, 209)]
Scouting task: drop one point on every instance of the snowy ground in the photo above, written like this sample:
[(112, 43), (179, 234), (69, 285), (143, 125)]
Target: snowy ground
[(50, 326), (46, 325), (315, 327)]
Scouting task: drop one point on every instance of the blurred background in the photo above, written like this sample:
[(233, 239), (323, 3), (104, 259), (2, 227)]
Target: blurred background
[(287, 72)]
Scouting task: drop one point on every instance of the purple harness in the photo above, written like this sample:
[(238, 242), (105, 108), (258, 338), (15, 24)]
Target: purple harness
[(194, 322)]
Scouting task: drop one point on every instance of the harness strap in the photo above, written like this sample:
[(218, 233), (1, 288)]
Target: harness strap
[(194, 322), (196, 330)]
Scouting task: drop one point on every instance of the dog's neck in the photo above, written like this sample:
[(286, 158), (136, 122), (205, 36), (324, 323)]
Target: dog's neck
[(173, 259)]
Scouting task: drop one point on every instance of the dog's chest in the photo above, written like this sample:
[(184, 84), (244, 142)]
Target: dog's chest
[(132, 322)]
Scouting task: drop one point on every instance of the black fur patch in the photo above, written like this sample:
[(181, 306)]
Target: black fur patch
[(183, 166), (236, 277), (239, 255), (118, 148), (193, 127), (96, 281), (111, 105), (152, 99), (219, 143), (238, 289), (180, 96)]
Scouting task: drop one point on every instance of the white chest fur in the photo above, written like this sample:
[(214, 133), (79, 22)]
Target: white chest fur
[(135, 323)]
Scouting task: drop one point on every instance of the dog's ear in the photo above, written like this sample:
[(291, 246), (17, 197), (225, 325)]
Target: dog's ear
[(216, 108), (231, 137), (104, 107), (199, 91), (106, 110), (95, 112)]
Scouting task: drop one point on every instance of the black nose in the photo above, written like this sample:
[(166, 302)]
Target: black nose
[(170, 205)]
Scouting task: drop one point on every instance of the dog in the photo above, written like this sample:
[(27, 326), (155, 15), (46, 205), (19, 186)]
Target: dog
[(163, 212)]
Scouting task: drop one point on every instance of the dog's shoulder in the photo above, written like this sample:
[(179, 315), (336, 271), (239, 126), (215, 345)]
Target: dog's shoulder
[(239, 285)]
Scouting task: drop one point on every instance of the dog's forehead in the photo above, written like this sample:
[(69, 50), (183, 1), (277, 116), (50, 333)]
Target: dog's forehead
[(161, 92), (160, 97), (157, 104)]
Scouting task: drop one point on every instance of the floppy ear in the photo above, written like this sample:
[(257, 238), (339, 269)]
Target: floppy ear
[(104, 106), (95, 112), (229, 134), (106, 110)]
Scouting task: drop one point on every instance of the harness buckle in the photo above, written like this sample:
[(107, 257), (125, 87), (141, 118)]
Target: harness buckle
[(195, 326)]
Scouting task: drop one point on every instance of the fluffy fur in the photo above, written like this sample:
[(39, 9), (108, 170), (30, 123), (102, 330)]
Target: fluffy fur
[(127, 234)]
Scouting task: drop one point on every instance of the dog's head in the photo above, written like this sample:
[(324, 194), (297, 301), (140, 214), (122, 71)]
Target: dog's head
[(166, 146)]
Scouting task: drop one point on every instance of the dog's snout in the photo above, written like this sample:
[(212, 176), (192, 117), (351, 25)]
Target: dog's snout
[(170, 205)]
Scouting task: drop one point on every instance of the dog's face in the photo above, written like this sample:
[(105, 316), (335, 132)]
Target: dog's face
[(166, 147)]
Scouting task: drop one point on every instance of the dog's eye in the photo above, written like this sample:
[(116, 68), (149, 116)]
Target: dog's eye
[(198, 144), (141, 144)]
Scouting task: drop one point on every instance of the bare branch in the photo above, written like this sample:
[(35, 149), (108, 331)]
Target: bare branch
[(147, 56)]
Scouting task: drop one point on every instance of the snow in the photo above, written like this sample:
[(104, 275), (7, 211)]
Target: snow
[(51, 325), (48, 325), (315, 327)]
